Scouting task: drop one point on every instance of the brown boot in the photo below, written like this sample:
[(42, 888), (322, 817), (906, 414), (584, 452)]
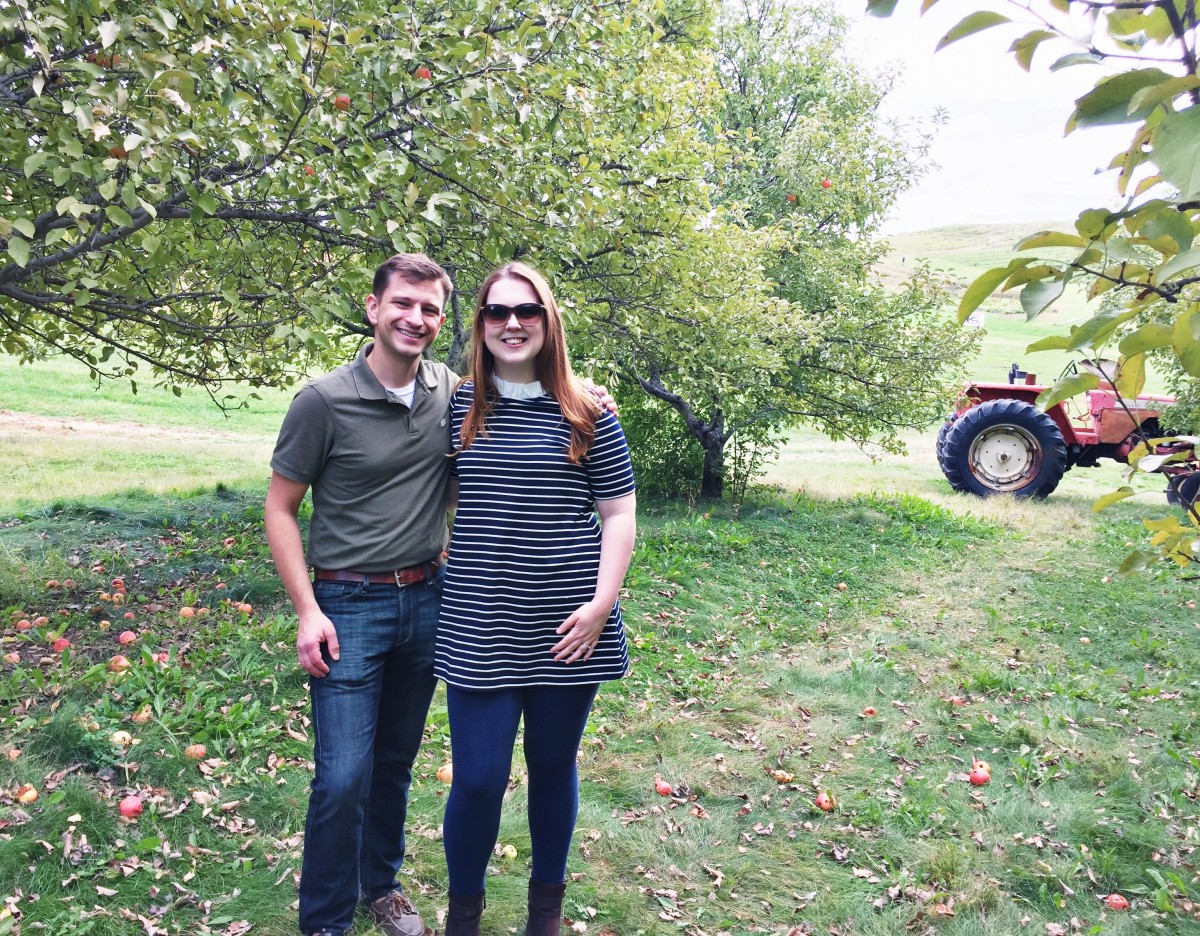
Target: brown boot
[(464, 914), (545, 908)]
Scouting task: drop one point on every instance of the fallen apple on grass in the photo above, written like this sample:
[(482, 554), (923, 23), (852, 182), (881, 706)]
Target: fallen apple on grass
[(1116, 902), (445, 773), (195, 752), (27, 793), (125, 638), (662, 787), (118, 664), (870, 711), (61, 644), (130, 806), (979, 777), (981, 765), (825, 802)]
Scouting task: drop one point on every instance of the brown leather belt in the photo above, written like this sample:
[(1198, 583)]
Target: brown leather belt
[(409, 576)]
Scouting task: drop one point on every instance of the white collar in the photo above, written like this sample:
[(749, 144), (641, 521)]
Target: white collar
[(518, 391)]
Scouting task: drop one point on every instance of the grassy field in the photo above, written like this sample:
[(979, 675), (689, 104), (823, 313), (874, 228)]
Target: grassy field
[(858, 629)]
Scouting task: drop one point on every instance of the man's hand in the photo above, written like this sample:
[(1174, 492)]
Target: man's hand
[(313, 630), (603, 397)]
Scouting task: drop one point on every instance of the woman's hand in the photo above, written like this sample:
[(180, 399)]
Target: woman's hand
[(580, 632)]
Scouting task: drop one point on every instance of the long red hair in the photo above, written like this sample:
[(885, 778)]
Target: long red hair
[(551, 365)]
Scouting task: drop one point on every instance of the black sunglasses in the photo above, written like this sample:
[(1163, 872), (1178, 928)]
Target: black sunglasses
[(527, 313)]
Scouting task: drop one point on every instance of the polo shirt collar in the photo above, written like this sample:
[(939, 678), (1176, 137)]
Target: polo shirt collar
[(368, 385)]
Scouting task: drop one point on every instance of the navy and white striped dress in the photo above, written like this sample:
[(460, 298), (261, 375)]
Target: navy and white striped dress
[(526, 548)]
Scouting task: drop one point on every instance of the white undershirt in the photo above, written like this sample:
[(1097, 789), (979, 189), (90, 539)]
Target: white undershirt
[(402, 394)]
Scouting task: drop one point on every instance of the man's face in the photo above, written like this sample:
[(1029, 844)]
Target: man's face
[(407, 316)]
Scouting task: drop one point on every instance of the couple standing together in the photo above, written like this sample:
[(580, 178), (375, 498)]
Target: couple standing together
[(522, 623)]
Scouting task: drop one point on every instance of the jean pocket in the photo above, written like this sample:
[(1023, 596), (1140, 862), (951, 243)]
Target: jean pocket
[(337, 591)]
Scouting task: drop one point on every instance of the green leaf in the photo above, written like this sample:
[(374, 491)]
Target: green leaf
[(1036, 296), (1109, 101), (985, 284), (108, 33), (18, 249), (1049, 343), (1096, 224), (1111, 498), (1099, 328), (1186, 342), (1137, 561), (1146, 338), (1131, 376), (1177, 264), (1050, 239), (1024, 47), (975, 22), (25, 226), (1167, 222), (1065, 388), (1175, 149), (118, 216), (1076, 58), (34, 161), (1167, 91), (881, 8)]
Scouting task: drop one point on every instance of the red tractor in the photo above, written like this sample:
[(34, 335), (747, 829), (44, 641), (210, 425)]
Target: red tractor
[(998, 442)]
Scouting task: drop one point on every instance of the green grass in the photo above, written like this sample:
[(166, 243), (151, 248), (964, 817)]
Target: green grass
[(752, 668)]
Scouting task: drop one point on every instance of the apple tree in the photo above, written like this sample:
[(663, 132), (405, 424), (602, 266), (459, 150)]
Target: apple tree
[(1139, 263), (200, 191)]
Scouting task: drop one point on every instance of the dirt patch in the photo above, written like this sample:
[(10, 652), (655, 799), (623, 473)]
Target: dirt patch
[(82, 429)]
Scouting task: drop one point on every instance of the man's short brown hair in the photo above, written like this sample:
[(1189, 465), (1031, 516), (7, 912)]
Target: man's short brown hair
[(414, 267)]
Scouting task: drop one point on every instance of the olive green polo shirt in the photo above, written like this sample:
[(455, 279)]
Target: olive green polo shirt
[(377, 469)]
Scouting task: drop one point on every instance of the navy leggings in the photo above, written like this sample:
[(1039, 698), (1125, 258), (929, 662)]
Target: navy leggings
[(483, 731)]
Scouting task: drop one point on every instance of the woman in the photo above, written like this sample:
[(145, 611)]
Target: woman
[(530, 624)]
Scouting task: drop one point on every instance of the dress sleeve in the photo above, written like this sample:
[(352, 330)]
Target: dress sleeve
[(459, 404), (305, 439), (609, 470)]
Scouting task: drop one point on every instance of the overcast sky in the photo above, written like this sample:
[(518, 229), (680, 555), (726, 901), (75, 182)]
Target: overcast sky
[(1002, 155)]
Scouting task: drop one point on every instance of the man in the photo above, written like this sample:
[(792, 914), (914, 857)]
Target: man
[(370, 439)]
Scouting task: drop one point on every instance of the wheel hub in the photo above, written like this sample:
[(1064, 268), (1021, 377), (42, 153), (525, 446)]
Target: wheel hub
[(1004, 457)]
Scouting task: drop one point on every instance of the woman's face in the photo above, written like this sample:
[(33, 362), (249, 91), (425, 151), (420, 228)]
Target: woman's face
[(514, 343)]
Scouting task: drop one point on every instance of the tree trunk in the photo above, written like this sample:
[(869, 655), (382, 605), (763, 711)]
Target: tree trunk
[(712, 484)]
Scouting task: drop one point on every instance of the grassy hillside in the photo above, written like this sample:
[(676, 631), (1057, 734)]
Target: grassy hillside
[(962, 253)]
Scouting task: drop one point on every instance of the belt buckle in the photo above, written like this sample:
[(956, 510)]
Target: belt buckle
[(396, 576)]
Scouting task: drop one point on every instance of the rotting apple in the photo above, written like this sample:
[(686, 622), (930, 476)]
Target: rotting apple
[(981, 765), (1116, 902), (825, 801)]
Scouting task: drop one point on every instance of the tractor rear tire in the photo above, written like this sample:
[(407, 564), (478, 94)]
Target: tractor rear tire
[(1004, 447)]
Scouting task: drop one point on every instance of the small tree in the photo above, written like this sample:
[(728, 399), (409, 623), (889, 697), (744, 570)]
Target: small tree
[(778, 318)]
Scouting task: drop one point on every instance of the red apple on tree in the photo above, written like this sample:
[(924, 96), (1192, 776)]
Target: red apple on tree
[(791, 197), (423, 73), (825, 183), (342, 102), (309, 170)]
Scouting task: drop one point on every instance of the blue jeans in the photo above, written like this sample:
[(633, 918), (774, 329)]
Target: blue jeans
[(483, 730), (368, 717)]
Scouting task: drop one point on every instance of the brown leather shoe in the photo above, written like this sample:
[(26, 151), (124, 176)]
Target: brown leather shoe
[(395, 915)]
